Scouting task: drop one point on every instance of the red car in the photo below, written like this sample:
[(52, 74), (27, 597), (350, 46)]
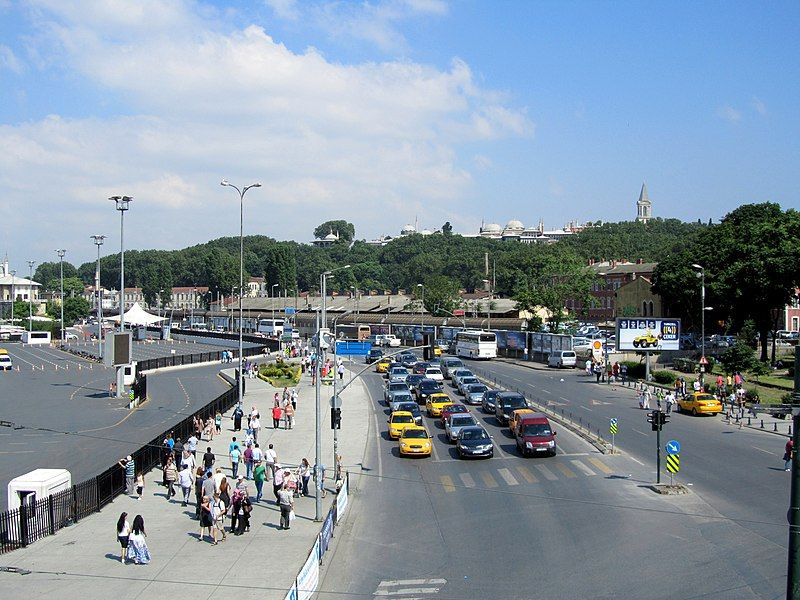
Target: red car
[(419, 368), (453, 408)]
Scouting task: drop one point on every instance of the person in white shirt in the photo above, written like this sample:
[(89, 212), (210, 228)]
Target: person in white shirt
[(257, 454), (270, 458), (185, 481), (191, 444)]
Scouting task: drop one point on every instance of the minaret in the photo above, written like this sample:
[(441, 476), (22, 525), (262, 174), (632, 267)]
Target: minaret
[(644, 208)]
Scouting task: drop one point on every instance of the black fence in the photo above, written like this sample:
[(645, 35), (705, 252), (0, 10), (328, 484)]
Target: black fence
[(41, 517), (189, 359)]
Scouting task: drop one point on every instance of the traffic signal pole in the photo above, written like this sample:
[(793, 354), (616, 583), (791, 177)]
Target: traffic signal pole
[(657, 415)]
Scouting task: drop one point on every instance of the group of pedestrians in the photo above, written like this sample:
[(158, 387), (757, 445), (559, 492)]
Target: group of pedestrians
[(132, 540)]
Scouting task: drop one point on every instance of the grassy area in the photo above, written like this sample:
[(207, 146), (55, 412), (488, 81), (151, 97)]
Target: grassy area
[(281, 382), (281, 374)]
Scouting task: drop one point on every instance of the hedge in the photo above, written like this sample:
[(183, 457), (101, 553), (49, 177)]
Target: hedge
[(665, 377), (635, 369)]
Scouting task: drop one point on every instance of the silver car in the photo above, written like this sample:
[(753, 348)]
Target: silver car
[(465, 382), (394, 386), (474, 393), (399, 398), (455, 423), (398, 374), (458, 374)]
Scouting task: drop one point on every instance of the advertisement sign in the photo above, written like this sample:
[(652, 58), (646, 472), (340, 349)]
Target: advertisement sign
[(341, 502), (308, 578), (327, 532), (515, 340), (501, 339), (648, 334)]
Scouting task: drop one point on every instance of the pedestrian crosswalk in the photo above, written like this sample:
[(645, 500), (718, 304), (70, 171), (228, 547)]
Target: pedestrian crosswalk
[(526, 474), (408, 589)]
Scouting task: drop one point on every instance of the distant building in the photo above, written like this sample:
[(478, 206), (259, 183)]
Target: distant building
[(644, 208), (791, 313), (611, 277), (16, 287), (636, 298), (328, 240)]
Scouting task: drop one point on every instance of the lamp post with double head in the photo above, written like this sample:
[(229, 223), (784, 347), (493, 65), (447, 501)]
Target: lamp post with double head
[(272, 303), (30, 294), (61, 254), (122, 205), (98, 240), (323, 325), (241, 192), (701, 273), (13, 298)]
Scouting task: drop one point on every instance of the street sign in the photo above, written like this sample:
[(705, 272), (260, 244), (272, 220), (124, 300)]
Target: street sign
[(352, 348), (673, 447), (459, 312), (673, 463), (289, 311), (612, 428), (703, 360), (336, 402)]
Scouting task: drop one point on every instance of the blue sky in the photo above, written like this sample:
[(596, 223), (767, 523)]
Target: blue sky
[(382, 112)]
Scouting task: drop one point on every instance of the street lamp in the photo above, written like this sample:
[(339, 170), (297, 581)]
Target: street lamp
[(272, 303), (241, 192), (13, 298), (30, 294), (701, 273), (61, 254), (422, 306), (122, 204), (323, 324), (98, 240)]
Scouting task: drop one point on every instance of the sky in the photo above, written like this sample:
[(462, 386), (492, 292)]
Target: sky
[(382, 113)]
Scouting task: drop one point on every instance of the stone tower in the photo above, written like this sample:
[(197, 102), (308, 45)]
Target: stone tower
[(644, 208)]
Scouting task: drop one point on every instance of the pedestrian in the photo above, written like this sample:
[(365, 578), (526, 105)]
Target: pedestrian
[(247, 455), (255, 427), (646, 395), (233, 509), (209, 485), (286, 503), (277, 480), (294, 398), (305, 476), (129, 465), (210, 429), (171, 475), (615, 371), (257, 454), (137, 545), (288, 412), (177, 451), (245, 508), (206, 519), (276, 415), (185, 481), (191, 444), (187, 460), (788, 454), (123, 532), (340, 371), (659, 398), (236, 455), (139, 485), (199, 479), (218, 518), (271, 458), (238, 413), (320, 482), (588, 367), (285, 396), (208, 459), (166, 454), (696, 385), (598, 371), (259, 475), (669, 400), (218, 422)]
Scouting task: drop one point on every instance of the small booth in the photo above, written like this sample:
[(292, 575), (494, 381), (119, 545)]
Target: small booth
[(37, 484)]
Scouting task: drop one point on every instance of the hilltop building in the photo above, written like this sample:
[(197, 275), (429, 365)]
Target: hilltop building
[(644, 207)]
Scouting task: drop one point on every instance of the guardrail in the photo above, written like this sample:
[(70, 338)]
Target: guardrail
[(188, 359), (22, 526)]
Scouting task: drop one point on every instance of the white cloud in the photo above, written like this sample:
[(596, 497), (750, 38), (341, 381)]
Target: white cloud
[(729, 113), (9, 60), (482, 162), (759, 106), (326, 139), (285, 9)]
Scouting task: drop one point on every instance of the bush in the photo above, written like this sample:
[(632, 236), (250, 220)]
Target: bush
[(280, 370), (684, 365), (635, 369), (664, 377)]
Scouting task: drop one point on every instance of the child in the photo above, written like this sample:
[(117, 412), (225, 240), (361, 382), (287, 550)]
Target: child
[(139, 484)]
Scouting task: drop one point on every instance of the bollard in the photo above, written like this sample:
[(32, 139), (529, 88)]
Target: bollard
[(762, 423), (775, 427), (748, 422)]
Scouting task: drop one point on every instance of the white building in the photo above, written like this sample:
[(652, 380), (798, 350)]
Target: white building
[(16, 287)]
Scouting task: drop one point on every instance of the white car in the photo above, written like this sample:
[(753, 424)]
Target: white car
[(5, 362), (434, 373)]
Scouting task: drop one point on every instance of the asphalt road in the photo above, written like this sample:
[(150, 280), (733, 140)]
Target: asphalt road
[(71, 394), (579, 524)]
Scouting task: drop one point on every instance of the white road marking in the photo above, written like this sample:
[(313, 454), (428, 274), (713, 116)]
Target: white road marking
[(467, 479), (586, 408), (765, 451), (507, 476), (411, 582), (635, 460), (582, 468), (435, 451), (546, 391), (548, 474), (499, 450), (378, 431), (639, 432)]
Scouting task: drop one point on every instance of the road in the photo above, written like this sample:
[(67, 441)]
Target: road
[(71, 394), (579, 524)]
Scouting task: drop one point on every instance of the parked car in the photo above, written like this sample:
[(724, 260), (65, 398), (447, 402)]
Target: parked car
[(562, 358), (474, 442), (506, 403), (534, 436), (455, 423)]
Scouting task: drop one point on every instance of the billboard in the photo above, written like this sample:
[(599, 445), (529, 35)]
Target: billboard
[(648, 334)]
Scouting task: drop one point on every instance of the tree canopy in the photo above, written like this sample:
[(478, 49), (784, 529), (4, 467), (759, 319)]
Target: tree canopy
[(346, 231)]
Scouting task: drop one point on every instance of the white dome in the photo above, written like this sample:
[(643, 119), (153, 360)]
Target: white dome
[(408, 229), (491, 228), (514, 224), (426, 232), (331, 237)]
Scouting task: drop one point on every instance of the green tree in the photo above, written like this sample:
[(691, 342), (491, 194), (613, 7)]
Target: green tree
[(447, 228), (221, 271), (280, 267), (73, 286), (441, 295), (156, 282), (346, 231), (46, 272), (738, 358)]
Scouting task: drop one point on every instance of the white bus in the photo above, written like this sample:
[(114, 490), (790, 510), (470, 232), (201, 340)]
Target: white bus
[(476, 344), (273, 327)]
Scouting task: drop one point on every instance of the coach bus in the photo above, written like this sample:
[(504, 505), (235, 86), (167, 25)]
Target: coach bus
[(271, 327), (476, 344)]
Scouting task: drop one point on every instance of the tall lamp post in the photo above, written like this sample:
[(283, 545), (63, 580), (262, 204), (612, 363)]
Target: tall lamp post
[(241, 192), (13, 298), (122, 205), (98, 240), (701, 273), (30, 294), (272, 303), (61, 254), (323, 324)]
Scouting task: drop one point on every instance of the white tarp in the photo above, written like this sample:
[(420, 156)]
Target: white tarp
[(136, 315)]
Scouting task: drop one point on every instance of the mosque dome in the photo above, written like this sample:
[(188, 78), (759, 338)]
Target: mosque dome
[(408, 229), (491, 228), (514, 224)]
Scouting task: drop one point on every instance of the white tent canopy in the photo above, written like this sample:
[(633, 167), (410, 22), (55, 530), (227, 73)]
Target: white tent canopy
[(136, 315)]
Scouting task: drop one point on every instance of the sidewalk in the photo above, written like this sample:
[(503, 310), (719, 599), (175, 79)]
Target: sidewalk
[(82, 561), (771, 424)]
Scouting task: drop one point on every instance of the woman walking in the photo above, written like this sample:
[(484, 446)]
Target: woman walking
[(137, 545), (198, 490), (288, 412), (139, 485), (218, 422), (206, 519), (123, 533), (171, 476), (305, 475)]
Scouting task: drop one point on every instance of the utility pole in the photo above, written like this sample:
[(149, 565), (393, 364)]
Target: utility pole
[(793, 573), (61, 253)]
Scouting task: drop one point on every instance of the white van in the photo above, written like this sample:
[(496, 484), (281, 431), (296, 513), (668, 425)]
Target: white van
[(387, 339), (561, 359)]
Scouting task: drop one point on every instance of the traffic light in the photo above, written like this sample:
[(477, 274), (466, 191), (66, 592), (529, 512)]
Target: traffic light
[(336, 418), (664, 418), (654, 419)]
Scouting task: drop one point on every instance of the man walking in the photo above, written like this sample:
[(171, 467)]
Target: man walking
[(271, 457), (259, 475), (127, 463), (286, 502)]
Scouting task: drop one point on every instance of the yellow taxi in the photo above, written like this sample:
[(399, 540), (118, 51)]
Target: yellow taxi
[(516, 417), (415, 441), (398, 422), (437, 351), (436, 402), (382, 366), (700, 403)]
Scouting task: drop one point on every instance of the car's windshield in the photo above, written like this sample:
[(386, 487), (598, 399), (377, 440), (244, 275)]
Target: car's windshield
[(477, 388), (402, 419), (515, 402), (474, 434), (409, 406), (537, 429), (469, 380), (461, 421), (415, 433), (397, 385), (705, 397), (429, 385)]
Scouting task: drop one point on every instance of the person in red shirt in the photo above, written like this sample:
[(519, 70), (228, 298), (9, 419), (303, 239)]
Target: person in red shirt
[(276, 415), (788, 453)]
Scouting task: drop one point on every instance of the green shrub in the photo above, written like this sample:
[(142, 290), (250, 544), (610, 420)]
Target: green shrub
[(665, 377), (635, 369), (684, 365)]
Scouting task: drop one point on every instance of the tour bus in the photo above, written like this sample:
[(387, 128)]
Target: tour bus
[(36, 337), (273, 327), (476, 344), (353, 332)]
